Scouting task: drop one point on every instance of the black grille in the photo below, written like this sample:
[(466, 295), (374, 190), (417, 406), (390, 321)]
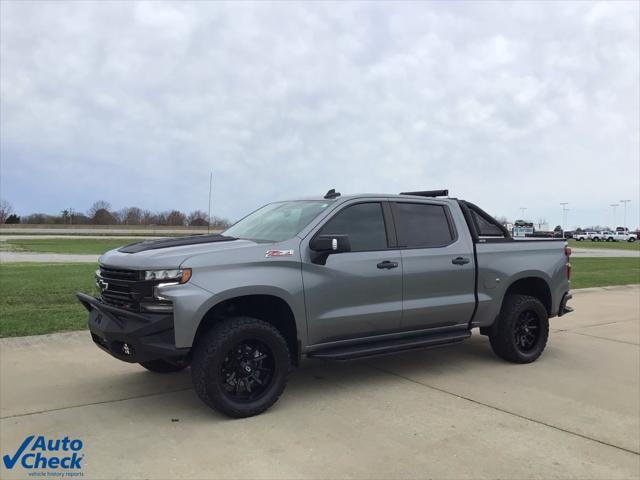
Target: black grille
[(119, 274), (123, 288)]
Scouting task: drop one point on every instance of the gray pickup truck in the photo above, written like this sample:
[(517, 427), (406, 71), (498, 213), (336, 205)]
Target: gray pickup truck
[(333, 277)]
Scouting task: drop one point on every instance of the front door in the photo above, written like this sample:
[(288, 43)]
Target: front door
[(357, 293)]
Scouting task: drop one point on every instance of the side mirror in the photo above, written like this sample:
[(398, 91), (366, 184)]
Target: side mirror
[(330, 244)]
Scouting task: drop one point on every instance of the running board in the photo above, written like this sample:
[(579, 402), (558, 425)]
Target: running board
[(371, 349)]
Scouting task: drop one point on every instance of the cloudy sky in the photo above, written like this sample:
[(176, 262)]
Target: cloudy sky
[(506, 104)]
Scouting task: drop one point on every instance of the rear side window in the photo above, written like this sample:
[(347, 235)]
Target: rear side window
[(486, 228), (363, 223), (422, 225)]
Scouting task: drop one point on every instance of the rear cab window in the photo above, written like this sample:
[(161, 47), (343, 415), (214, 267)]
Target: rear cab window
[(423, 225)]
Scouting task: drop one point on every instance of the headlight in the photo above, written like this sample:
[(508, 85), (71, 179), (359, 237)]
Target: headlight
[(178, 275)]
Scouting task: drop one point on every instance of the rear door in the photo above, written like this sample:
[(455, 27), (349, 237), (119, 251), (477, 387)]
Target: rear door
[(438, 266), (358, 293)]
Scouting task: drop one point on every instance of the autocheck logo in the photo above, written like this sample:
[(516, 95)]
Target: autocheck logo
[(40, 453)]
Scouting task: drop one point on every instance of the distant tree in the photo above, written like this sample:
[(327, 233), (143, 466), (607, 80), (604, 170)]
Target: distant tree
[(66, 216), (558, 228), (147, 217), (198, 218), (35, 218), (579, 230), (80, 219), (220, 223), (12, 219), (103, 216), (131, 216), (502, 219), (6, 209), (176, 218), (99, 205), (160, 218)]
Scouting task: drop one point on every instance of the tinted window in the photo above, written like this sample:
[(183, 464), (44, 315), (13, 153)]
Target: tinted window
[(363, 223), (422, 225), (486, 228)]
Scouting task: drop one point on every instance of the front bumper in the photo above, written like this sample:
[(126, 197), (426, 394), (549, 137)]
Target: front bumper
[(131, 336)]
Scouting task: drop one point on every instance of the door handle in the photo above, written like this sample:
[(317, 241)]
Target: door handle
[(387, 264), (460, 261)]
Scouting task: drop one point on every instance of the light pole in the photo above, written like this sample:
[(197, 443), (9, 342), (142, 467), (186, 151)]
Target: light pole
[(522, 210), (614, 205), (564, 215), (624, 202)]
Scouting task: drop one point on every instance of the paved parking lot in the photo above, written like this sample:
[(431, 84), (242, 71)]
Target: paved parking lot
[(452, 412)]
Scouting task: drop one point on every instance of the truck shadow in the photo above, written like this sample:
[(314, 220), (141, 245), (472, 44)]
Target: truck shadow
[(322, 382)]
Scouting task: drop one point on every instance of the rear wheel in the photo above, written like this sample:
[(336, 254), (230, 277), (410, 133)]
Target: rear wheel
[(165, 366), (240, 366), (522, 329)]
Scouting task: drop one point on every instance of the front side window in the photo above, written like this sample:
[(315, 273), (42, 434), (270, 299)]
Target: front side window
[(277, 221), (363, 222), (422, 225)]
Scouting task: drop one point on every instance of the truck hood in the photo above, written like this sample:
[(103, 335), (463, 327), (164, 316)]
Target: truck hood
[(168, 253)]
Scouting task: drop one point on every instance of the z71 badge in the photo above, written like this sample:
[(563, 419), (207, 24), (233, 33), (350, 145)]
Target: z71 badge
[(279, 253)]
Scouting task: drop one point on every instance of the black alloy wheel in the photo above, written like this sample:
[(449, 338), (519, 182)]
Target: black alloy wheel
[(240, 366), (527, 331), (521, 331), (247, 370)]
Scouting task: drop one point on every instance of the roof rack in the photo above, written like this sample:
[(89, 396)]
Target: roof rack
[(428, 193), (332, 194)]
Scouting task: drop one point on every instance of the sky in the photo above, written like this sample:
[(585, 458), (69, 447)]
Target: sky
[(508, 105)]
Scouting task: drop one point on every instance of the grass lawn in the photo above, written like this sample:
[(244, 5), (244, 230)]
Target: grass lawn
[(95, 246), (600, 272), (605, 245), (38, 298)]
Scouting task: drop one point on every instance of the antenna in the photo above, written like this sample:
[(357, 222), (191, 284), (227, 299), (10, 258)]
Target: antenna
[(210, 188)]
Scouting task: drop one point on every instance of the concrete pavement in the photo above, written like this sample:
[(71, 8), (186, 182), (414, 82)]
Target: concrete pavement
[(451, 412)]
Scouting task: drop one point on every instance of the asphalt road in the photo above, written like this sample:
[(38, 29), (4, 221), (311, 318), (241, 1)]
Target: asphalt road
[(453, 412)]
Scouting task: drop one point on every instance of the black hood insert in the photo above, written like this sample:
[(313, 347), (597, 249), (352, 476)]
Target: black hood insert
[(174, 242)]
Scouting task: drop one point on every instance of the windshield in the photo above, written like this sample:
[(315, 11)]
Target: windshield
[(277, 221)]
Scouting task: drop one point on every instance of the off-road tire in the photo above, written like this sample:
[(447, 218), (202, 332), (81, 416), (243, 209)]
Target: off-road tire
[(164, 366), (212, 350), (503, 334)]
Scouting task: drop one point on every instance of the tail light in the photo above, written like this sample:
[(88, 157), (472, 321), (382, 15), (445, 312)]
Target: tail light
[(567, 253)]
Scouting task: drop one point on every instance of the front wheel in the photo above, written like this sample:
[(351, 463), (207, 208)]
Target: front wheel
[(632, 239), (522, 329), (240, 366)]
